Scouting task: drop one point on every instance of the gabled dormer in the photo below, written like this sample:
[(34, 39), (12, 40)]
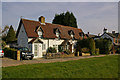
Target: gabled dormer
[(39, 31), (71, 33), (82, 34), (57, 32)]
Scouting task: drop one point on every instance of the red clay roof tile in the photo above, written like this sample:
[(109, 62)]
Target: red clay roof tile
[(48, 28)]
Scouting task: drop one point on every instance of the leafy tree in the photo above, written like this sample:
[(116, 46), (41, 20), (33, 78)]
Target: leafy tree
[(67, 19), (105, 45), (92, 46), (11, 36)]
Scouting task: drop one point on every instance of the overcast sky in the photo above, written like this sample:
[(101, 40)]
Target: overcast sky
[(91, 16)]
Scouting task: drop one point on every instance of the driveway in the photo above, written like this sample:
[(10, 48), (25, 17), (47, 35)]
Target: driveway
[(10, 62)]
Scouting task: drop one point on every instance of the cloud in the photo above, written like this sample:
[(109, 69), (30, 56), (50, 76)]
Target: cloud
[(92, 17)]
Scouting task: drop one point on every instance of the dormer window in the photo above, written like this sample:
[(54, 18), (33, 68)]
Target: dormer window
[(39, 31), (81, 34), (57, 33), (71, 33)]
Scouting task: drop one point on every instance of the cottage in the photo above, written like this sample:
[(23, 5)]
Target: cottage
[(38, 36)]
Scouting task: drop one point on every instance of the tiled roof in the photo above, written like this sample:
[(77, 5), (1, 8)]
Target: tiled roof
[(48, 29), (110, 34)]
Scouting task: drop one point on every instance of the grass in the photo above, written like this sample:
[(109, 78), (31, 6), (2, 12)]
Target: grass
[(99, 67)]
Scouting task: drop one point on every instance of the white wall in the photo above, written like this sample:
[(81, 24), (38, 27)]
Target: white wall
[(51, 42), (22, 37)]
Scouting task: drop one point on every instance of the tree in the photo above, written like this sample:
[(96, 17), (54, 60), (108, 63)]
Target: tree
[(67, 19), (105, 45), (11, 36), (4, 32), (92, 46)]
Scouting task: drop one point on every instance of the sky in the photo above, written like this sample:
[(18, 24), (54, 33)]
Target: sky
[(91, 16)]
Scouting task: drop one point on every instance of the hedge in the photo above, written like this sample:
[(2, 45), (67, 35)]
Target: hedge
[(10, 52)]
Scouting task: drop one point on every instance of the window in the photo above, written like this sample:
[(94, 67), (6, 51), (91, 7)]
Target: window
[(57, 34), (43, 47), (35, 47), (55, 46), (81, 34), (40, 33)]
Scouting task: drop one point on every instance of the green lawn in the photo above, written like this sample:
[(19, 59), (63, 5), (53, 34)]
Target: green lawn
[(99, 67)]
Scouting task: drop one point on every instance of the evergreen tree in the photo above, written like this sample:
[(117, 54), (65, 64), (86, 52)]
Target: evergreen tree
[(92, 46), (67, 19), (11, 35)]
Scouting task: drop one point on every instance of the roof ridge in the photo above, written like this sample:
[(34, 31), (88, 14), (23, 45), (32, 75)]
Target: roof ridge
[(65, 26), (29, 20), (53, 24)]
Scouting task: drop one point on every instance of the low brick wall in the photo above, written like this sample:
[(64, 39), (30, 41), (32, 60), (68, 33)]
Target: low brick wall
[(58, 55)]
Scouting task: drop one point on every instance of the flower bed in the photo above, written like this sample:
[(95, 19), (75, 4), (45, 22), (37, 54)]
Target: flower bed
[(58, 55), (85, 54)]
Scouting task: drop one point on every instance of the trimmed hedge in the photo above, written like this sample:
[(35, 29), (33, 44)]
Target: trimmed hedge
[(10, 52)]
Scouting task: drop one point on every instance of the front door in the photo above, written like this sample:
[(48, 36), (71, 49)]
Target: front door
[(37, 50)]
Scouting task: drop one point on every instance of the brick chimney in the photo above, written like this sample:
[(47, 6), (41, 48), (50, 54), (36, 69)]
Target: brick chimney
[(42, 20)]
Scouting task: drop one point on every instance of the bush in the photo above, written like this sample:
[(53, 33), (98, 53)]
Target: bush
[(68, 52), (97, 51), (3, 44), (105, 45), (51, 50), (11, 53), (85, 50), (60, 48), (92, 46)]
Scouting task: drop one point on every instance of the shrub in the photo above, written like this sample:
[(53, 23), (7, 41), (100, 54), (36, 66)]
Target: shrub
[(11, 53), (51, 50), (105, 45), (92, 46), (68, 52), (97, 51), (3, 44), (60, 48), (85, 50)]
